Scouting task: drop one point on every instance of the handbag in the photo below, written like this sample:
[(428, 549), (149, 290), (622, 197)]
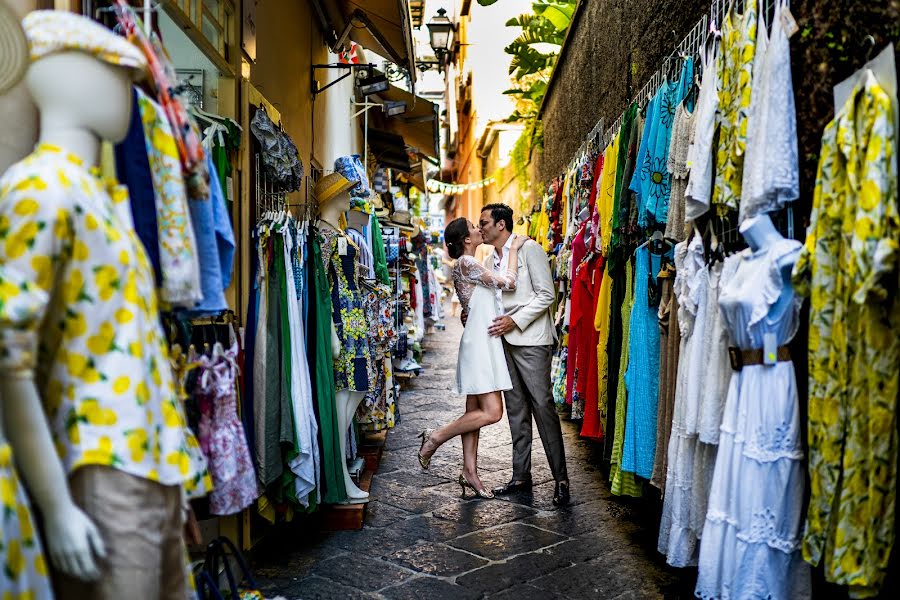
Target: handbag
[(219, 550)]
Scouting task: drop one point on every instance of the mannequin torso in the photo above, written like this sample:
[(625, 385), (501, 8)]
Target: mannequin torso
[(106, 384), (760, 234)]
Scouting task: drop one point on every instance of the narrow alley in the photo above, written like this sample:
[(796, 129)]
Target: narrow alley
[(421, 541)]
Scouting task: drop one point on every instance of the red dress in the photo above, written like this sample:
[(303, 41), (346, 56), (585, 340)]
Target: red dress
[(579, 249), (591, 279)]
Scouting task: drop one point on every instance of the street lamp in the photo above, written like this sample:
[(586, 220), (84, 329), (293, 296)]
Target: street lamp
[(440, 33)]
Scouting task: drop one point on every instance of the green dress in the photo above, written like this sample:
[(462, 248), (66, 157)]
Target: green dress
[(321, 368)]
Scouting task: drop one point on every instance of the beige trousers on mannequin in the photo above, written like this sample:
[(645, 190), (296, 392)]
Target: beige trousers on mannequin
[(142, 525)]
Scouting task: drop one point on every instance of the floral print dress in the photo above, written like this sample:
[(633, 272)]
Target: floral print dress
[(353, 369), (735, 68), (848, 268)]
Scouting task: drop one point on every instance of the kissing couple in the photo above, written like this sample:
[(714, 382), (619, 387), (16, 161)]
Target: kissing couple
[(506, 347)]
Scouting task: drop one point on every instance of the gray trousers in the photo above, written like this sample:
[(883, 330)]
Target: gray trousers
[(529, 370)]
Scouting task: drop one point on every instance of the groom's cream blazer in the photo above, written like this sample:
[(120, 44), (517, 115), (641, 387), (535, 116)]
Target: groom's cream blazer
[(529, 305)]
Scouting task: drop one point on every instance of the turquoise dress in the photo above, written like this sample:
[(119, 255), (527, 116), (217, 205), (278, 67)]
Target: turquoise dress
[(642, 373)]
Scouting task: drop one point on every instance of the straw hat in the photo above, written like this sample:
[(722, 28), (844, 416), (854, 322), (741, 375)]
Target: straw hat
[(330, 186), (13, 48)]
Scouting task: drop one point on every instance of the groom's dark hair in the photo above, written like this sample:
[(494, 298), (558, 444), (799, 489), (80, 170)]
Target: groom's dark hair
[(500, 212)]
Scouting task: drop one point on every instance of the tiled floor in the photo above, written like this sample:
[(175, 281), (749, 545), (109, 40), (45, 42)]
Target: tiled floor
[(423, 542)]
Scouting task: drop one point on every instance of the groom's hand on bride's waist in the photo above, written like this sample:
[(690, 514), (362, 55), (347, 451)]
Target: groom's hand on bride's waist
[(501, 326)]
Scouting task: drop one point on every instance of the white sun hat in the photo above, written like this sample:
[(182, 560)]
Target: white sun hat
[(13, 48)]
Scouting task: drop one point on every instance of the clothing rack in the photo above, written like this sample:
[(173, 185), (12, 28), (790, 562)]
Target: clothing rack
[(691, 45)]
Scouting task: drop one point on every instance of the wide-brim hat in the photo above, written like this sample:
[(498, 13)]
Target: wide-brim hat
[(330, 186), (13, 48)]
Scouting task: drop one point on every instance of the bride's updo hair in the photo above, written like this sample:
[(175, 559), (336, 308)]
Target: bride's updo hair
[(455, 235)]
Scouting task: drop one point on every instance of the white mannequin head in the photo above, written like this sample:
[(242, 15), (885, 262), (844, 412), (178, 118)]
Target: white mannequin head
[(81, 100), (759, 231)]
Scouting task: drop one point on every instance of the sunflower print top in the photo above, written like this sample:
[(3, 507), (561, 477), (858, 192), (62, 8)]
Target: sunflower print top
[(94, 341)]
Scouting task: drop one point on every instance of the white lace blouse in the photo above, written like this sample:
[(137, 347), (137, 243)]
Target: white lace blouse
[(468, 273)]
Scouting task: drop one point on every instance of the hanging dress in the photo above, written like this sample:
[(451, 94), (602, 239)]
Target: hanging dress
[(353, 367), (642, 375), (750, 546), (772, 176), (735, 67), (222, 436), (679, 168), (481, 366)]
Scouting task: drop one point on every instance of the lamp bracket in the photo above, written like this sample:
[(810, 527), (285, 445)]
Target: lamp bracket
[(316, 90)]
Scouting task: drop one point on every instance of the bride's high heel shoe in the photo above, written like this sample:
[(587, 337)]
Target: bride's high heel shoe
[(482, 493), (424, 461)]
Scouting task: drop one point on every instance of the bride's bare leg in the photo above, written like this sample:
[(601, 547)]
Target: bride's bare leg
[(489, 411), (470, 441)]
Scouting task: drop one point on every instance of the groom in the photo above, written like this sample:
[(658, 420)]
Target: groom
[(528, 336)]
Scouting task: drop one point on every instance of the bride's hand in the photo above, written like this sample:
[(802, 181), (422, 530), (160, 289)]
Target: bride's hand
[(519, 241)]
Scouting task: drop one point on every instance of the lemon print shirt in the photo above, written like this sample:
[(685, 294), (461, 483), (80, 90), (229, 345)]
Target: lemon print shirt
[(94, 343)]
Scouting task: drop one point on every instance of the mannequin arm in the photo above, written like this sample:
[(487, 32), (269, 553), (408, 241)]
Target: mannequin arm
[(70, 535), (335, 342)]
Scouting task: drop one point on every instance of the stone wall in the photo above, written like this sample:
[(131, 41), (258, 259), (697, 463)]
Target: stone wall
[(615, 47)]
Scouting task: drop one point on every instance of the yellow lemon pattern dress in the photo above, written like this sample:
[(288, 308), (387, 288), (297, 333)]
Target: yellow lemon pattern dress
[(735, 69), (95, 342), (23, 569), (847, 267)]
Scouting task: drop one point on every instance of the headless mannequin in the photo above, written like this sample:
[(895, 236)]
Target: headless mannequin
[(66, 88), (346, 400), (760, 233)]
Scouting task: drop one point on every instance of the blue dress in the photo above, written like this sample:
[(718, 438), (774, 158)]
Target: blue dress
[(642, 374)]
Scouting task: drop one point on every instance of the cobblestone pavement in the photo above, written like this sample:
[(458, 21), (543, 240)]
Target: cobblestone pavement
[(422, 541)]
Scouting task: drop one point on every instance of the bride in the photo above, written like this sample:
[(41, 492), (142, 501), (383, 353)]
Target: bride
[(481, 371)]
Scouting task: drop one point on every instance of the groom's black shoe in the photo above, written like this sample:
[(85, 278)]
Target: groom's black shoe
[(512, 487), (561, 494)]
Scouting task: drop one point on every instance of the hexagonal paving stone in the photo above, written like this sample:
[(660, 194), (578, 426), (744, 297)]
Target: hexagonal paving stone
[(319, 588), (523, 568), (507, 540), (381, 514), (436, 559)]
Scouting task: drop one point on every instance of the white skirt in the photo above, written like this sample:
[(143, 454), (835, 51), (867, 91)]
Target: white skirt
[(481, 366)]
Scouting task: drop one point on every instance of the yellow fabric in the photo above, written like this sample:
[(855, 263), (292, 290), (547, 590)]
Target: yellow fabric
[(543, 227), (606, 194), (105, 377), (623, 483), (53, 31), (735, 68), (25, 568), (848, 268), (601, 324)]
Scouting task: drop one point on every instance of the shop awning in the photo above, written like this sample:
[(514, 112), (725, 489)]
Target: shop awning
[(418, 125), (382, 26), (389, 149)]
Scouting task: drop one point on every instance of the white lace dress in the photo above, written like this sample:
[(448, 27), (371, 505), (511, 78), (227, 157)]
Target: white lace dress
[(771, 172), (750, 542), (481, 366)]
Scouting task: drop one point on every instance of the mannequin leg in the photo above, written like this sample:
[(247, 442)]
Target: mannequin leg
[(347, 402)]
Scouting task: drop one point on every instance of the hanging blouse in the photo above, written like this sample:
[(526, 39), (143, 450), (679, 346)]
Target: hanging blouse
[(772, 174), (179, 260), (700, 155), (651, 182), (848, 268), (735, 68), (682, 138)]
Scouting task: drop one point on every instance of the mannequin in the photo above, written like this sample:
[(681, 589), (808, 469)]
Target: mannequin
[(103, 374), (70, 535), (346, 400), (760, 233)]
